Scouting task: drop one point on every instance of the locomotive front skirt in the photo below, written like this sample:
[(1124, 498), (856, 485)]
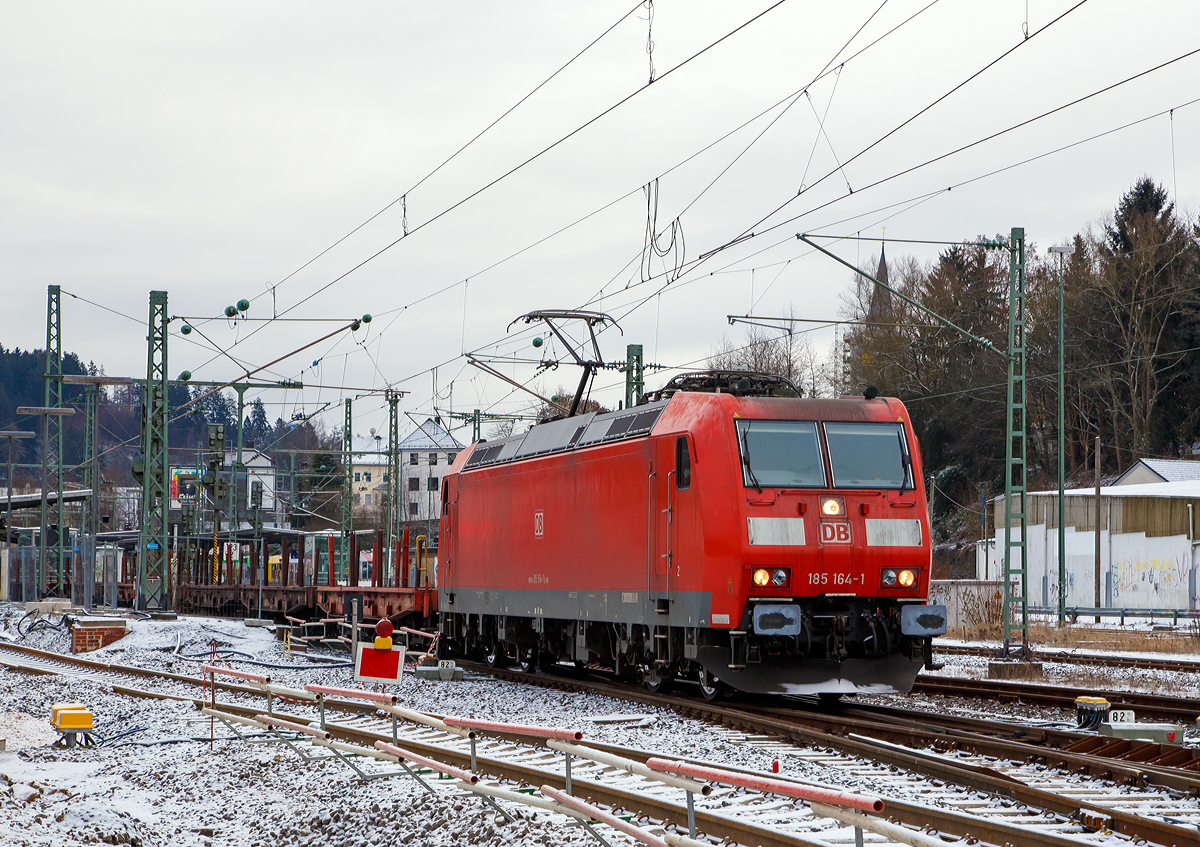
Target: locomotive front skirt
[(761, 543)]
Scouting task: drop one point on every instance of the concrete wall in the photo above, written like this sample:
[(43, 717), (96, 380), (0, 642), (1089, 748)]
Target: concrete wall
[(970, 604), (1136, 571)]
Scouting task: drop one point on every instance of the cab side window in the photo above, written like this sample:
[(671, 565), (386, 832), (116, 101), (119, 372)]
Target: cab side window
[(683, 464)]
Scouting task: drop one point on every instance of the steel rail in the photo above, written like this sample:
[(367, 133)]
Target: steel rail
[(1092, 659), (1157, 705), (47, 658), (1004, 740), (932, 765)]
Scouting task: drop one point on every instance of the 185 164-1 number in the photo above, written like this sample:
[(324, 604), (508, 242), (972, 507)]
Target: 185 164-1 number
[(833, 579)]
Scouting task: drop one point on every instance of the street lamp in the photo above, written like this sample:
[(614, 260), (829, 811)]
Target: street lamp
[(1062, 476), (10, 434), (46, 412)]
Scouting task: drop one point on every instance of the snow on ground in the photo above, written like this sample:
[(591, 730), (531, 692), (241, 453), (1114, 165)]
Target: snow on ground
[(1088, 677), (1146, 680), (161, 784)]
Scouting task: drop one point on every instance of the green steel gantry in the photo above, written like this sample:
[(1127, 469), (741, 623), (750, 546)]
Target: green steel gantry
[(1016, 569), (53, 446), (635, 375), (153, 551)]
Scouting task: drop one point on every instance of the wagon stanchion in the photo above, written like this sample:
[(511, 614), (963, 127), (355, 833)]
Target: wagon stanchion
[(549, 733), (860, 822), (766, 785), (689, 785), (611, 820)]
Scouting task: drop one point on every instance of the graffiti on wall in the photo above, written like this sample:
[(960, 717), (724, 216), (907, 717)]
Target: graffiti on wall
[(973, 607), (1158, 577)]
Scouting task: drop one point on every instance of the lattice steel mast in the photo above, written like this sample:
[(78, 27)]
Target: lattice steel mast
[(153, 554)]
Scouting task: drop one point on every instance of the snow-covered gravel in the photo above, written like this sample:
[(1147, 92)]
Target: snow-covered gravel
[(161, 784), (154, 787)]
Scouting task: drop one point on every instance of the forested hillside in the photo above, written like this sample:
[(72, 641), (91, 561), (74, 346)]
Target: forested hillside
[(119, 424)]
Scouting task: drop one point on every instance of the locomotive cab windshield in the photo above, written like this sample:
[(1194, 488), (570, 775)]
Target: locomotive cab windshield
[(788, 454), (868, 455)]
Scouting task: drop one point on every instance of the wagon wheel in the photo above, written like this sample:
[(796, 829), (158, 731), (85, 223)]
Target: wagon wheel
[(656, 683), (711, 687), (494, 655)]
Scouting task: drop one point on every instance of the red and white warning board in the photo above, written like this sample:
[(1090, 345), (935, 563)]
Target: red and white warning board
[(371, 665)]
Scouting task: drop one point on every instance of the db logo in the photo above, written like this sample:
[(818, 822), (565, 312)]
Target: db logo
[(835, 532), (539, 524)]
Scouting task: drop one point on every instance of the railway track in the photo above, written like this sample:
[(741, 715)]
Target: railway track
[(1014, 804), (1009, 760), (1182, 709), (945, 805), (1105, 660)]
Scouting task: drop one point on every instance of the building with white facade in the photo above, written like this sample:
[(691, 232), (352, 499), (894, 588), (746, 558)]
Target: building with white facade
[(1148, 546), (425, 455)]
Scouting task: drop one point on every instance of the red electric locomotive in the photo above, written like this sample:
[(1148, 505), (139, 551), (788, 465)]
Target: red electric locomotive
[(725, 531)]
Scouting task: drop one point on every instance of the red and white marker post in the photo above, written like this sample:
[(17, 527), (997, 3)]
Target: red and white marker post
[(382, 662)]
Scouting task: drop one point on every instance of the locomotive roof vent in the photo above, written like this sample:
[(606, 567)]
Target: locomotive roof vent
[(737, 383), (870, 392)]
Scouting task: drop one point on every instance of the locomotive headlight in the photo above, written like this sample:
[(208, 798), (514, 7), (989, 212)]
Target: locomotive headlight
[(779, 577), (762, 577), (908, 579), (889, 578), (833, 507)]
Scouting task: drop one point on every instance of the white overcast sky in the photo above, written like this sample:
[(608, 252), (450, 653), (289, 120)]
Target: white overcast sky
[(211, 150)]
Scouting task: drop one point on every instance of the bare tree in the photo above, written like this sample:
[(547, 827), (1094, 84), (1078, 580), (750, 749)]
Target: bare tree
[(784, 352)]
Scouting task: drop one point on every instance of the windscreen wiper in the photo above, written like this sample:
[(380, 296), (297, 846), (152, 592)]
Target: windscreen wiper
[(905, 462), (746, 459)]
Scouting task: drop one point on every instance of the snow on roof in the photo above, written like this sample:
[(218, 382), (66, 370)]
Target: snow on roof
[(1171, 470), (1186, 488), (431, 435)]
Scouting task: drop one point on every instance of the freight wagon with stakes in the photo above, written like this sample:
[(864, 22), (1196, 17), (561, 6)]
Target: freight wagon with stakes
[(725, 531)]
